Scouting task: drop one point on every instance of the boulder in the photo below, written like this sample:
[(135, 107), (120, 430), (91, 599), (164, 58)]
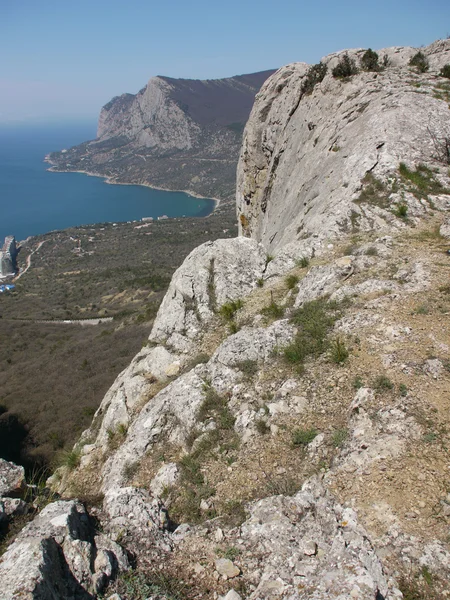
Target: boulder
[(12, 478), (58, 555)]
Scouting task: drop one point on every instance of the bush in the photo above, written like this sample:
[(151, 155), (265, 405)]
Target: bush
[(314, 319), (445, 71), (402, 211), (369, 61), (383, 383), (420, 61), (315, 75), (230, 308), (291, 281), (339, 352), (339, 437), (303, 437), (303, 262), (345, 68), (273, 310), (261, 426)]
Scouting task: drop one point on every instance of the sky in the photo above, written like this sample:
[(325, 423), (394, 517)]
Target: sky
[(65, 59)]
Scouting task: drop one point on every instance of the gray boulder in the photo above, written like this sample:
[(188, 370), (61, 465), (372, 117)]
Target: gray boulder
[(12, 478), (58, 555)]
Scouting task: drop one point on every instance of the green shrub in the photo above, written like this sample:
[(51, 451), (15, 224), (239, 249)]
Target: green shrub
[(369, 61), (345, 68), (357, 382), (273, 310), (315, 75), (374, 191), (383, 383), (371, 251), (402, 211), (71, 459), (314, 319), (403, 389), (261, 426), (260, 282), (339, 351), (230, 308), (421, 182), (303, 437), (339, 437), (445, 71), (215, 406), (303, 262), (420, 61), (291, 281)]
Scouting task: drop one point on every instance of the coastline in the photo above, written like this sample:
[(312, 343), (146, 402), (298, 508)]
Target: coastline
[(112, 181)]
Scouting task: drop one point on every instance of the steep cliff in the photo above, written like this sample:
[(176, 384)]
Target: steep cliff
[(175, 133), (307, 148), (290, 410)]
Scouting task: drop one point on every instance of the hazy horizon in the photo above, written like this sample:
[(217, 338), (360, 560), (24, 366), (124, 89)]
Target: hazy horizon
[(66, 60)]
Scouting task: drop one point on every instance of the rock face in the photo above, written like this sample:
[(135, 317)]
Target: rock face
[(305, 155), (175, 133), (59, 555)]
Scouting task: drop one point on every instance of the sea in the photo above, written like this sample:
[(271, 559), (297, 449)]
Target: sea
[(34, 200)]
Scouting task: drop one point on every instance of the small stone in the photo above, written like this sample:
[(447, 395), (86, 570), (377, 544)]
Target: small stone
[(421, 504), (218, 536), (227, 568), (411, 515), (232, 595), (310, 548), (198, 568), (205, 505)]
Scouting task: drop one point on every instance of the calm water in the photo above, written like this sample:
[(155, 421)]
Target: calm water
[(34, 200)]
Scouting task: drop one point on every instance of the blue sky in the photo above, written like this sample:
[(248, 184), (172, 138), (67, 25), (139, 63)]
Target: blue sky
[(66, 58)]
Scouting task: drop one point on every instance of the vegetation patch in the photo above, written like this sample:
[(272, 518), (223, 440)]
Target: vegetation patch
[(303, 437), (370, 61), (273, 310), (314, 321), (374, 191), (314, 75), (291, 281), (345, 68), (338, 351), (421, 181), (445, 71), (420, 62), (228, 310)]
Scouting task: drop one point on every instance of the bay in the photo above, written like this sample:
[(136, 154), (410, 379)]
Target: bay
[(34, 200)]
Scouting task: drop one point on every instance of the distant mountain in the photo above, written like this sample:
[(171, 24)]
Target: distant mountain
[(179, 134)]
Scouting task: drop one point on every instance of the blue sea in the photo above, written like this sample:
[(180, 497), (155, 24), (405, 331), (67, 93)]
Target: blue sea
[(34, 200)]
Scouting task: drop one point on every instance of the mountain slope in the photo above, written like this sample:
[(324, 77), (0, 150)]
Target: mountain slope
[(291, 410), (175, 133)]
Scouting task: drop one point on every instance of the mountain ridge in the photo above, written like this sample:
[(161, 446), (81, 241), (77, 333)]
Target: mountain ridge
[(178, 134)]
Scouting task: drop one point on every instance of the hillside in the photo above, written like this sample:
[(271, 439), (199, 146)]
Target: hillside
[(285, 431), (177, 134), (54, 373)]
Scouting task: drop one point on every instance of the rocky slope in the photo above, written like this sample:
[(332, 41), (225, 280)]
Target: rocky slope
[(179, 134), (285, 431)]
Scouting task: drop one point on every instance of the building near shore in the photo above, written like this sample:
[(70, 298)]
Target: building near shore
[(8, 257)]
